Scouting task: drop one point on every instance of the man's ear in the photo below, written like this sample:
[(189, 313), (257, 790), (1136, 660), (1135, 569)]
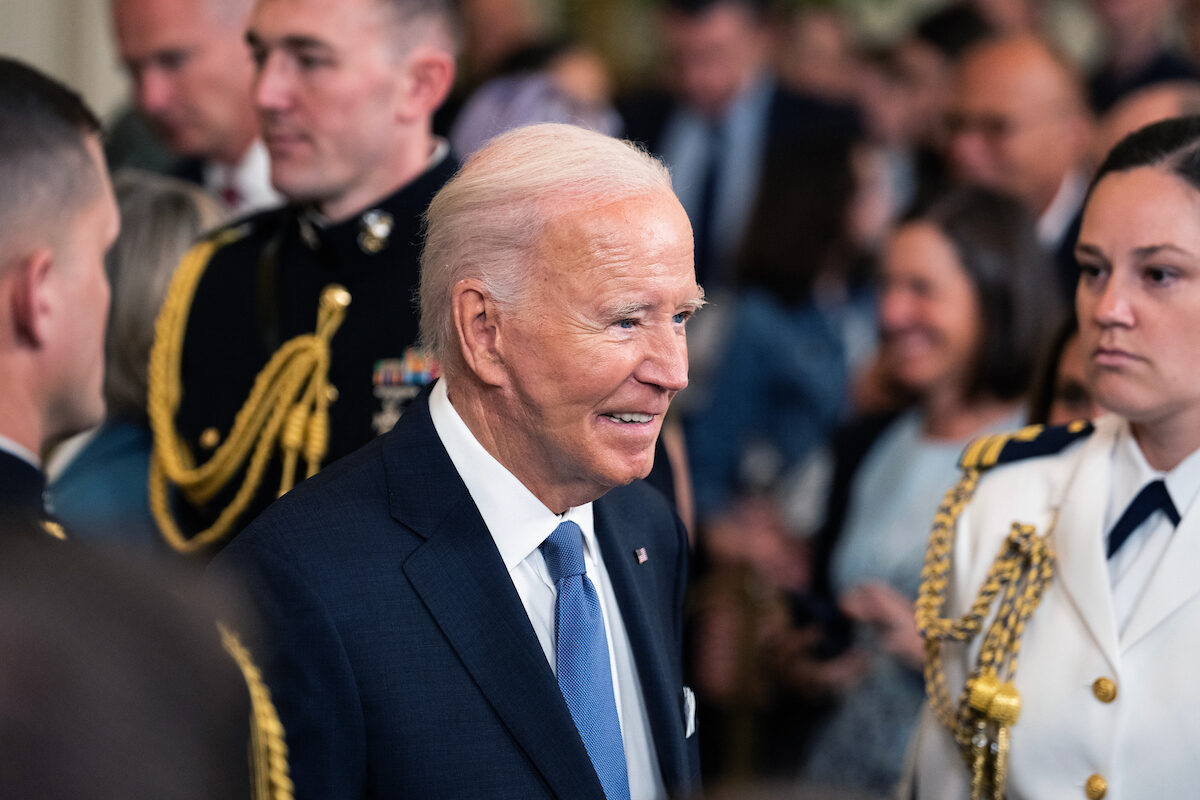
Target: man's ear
[(29, 297), (430, 76), (477, 326)]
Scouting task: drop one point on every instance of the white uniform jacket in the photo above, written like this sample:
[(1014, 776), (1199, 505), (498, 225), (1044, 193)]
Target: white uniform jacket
[(1145, 743)]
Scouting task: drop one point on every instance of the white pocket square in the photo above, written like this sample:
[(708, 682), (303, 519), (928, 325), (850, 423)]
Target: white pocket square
[(689, 712)]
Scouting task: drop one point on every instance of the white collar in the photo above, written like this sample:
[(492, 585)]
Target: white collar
[(1131, 472), (20, 451), (251, 176), (517, 520), (1053, 223)]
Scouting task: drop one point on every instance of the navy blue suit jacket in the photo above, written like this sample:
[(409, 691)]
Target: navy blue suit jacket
[(401, 659)]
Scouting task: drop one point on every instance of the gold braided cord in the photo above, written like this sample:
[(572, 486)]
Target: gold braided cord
[(54, 529), (270, 775), (989, 703), (288, 407)]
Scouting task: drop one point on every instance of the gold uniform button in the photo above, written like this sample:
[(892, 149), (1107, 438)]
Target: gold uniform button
[(1105, 690), (210, 438), (1096, 787), (331, 393)]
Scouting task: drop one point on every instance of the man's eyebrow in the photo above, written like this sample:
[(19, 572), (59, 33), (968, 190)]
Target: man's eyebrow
[(629, 309), (294, 42), (635, 307)]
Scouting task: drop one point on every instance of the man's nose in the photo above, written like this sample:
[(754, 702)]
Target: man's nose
[(272, 84), (666, 362), (153, 91)]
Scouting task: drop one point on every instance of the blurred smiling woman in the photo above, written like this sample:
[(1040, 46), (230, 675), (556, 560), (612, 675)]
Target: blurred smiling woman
[(1095, 527)]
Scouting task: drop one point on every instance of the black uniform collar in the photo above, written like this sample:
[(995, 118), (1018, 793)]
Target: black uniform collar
[(22, 486), (368, 234)]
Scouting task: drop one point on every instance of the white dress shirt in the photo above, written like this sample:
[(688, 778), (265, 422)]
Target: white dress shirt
[(250, 178), (1131, 568), (519, 523), (1052, 225)]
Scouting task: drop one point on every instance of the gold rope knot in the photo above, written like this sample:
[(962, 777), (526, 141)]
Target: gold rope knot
[(999, 702), (989, 703), (983, 691), (288, 408), (1005, 706)]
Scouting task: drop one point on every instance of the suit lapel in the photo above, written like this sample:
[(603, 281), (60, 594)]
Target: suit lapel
[(461, 578), (636, 593), (1079, 542)]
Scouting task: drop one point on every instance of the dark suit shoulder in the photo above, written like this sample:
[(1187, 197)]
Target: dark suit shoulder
[(644, 114), (639, 499), (808, 117), (324, 510)]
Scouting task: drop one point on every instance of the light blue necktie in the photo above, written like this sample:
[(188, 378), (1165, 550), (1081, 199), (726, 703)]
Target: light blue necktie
[(584, 674)]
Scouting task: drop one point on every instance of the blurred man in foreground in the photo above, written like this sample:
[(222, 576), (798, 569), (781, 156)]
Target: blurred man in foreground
[(57, 218)]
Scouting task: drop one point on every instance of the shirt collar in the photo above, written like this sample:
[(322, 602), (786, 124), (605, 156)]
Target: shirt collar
[(1131, 472), (1053, 223), (517, 520), (21, 452), (251, 176)]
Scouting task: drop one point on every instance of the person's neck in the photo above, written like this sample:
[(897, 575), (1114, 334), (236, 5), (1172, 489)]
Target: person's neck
[(1133, 48), (951, 417), (480, 408), (410, 158), (235, 152), (1166, 443), (1043, 200), (20, 419), (19, 444)]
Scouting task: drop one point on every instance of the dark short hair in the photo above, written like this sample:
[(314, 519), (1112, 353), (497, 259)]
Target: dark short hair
[(953, 30), (756, 9), (1171, 144), (995, 238), (45, 167), (447, 12)]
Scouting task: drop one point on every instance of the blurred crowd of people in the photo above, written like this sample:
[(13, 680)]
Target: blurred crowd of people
[(885, 235)]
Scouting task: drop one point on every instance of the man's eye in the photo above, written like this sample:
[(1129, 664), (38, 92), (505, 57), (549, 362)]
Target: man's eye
[(682, 317), (627, 323), (172, 60)]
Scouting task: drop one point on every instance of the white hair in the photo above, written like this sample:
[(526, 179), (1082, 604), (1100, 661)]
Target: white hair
[(487, 221)]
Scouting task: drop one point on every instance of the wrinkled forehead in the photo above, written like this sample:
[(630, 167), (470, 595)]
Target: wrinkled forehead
[(630, 242)]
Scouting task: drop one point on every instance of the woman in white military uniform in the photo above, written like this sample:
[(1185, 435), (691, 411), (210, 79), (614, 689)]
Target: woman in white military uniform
[(1067, 665)]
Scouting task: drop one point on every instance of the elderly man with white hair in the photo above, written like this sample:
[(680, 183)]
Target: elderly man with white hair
[(486, 602)]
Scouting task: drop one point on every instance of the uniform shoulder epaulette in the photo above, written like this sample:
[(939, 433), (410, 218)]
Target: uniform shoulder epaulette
[(227, 234), (1029, 442)]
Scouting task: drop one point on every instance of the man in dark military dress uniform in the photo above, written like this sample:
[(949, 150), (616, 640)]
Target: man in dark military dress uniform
[(58, 216), (303, 318)]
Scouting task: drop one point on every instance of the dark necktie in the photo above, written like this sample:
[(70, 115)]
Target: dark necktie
[(581, 647), (1153, 497)]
